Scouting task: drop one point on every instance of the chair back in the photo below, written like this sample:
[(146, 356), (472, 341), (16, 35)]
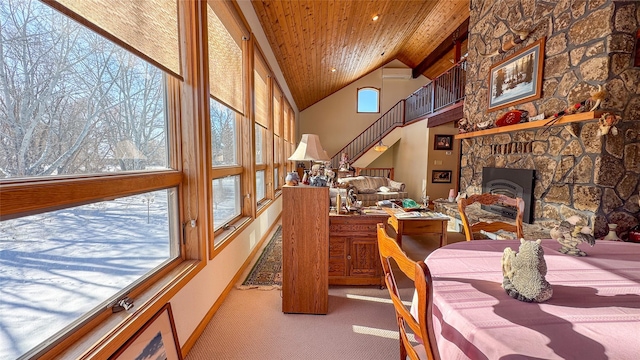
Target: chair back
[(491, 199), (422, 324)]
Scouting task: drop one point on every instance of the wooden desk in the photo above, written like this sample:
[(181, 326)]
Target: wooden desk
[(594, 312), (417, 226)]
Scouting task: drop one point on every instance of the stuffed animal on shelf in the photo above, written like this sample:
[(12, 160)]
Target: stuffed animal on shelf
[(596, 98), (569, 234), (607, 122), (524, 273)]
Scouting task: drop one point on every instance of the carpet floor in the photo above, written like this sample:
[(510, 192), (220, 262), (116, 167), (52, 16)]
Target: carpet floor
[(360, 323)]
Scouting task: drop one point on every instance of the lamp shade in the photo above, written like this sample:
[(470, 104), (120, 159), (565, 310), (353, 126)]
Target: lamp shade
[(380, 147), (309, 149)]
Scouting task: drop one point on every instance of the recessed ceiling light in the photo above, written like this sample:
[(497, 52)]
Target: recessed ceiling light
[(333, 69), (375, 17)]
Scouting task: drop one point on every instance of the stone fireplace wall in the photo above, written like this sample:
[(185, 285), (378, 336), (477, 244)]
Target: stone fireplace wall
[(578, 172)]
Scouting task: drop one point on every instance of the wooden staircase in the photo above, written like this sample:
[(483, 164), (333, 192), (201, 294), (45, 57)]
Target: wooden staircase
[(439, 97)]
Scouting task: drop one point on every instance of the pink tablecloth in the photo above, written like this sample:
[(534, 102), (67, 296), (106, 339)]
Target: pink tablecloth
[(594, 312)]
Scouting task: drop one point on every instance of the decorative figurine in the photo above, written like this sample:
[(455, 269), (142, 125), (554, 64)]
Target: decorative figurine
[(607, 122), (569, 234), (292, 179), (524, 273)]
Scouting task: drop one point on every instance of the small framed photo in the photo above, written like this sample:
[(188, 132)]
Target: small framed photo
[(155, 340), (443, 142), (441, 176), (518, 78)]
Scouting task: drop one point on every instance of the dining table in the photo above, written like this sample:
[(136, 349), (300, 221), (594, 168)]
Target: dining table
[(594, 312)]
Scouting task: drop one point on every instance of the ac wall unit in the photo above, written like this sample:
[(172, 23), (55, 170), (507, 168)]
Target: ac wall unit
[(396, 73)]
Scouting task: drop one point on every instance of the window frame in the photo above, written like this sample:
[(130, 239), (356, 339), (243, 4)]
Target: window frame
[(154, 290), (368, 88)]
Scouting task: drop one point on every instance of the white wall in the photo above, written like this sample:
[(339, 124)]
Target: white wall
[(410, 158), (191, 304), (336, 120)]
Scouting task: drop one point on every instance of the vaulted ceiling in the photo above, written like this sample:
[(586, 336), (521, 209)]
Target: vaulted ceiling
[(310, 38)]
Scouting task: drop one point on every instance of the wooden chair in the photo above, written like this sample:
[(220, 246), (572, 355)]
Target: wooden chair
[(491, 199), (422, 326)]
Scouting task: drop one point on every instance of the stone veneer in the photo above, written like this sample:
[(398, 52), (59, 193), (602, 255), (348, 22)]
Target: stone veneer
[(589, 43)]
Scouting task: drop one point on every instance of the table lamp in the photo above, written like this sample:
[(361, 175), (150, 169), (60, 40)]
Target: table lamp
[(309, 149)]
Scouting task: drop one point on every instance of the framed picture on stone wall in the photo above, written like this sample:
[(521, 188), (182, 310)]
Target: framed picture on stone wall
[(518, 78)]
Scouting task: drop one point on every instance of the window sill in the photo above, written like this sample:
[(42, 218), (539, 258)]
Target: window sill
[(221, 240), (115, 329)]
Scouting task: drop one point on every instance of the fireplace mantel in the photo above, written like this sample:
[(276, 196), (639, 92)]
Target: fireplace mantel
[(567, 119)]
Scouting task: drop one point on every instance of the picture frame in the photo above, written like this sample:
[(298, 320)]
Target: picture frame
[(443, 142), (518, 78), (156, 338), (441, 176)]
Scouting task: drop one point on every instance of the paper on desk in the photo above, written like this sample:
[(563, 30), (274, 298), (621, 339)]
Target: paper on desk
[(418, 214)]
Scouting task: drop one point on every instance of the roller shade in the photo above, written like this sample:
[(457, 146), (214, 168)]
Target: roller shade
[(286, 123), (277, 111), (147, 28), (261, 91), (225, 55)]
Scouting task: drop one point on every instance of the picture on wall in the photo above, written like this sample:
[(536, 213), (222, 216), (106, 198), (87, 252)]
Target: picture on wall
[(443, 142), (441, 176), (156, 340), (518, 78)]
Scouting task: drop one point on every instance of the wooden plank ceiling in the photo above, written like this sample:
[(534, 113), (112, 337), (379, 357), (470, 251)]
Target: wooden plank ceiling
[(310, 38)]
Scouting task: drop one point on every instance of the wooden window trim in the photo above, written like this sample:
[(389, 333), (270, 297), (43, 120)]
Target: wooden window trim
[(358, 100), (30, 197)]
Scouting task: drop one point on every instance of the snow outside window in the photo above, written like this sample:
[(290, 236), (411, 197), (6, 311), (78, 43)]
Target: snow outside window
[(74, 103)]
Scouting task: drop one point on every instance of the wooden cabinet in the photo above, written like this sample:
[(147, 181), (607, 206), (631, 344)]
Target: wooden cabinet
[(353, 250), (305, 240)]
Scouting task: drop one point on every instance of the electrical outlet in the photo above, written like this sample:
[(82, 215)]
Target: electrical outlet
[(193, 223)]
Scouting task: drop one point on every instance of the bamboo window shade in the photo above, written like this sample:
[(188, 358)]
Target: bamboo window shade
[(261, 89), (225, 55), (286, 123), (277, 111), (147, 28)]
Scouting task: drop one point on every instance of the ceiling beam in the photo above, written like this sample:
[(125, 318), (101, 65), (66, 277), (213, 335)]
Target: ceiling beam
[(460, 34)]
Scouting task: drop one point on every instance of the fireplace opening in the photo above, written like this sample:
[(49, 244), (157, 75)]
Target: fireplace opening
[(513, 183)]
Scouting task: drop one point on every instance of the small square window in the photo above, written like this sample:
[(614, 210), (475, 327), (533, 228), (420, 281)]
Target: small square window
[(368, 100)]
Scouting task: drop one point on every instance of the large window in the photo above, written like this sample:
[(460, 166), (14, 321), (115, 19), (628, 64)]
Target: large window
[(229, 157), (368, 100), (226, 169), (89, 194), (263, 130)]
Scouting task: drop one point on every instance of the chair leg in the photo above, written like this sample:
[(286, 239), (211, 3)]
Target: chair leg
[(403, 351)]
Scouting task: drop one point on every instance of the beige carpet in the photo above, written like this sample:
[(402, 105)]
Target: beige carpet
[(360, 324)]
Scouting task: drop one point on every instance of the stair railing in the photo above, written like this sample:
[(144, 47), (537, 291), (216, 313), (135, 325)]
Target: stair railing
[(372, 135), (446, 89)]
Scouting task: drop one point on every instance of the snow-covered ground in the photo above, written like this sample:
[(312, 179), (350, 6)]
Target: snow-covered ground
[(57, 266), (508, 94)]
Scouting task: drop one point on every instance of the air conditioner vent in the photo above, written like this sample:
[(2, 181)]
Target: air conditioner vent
[(396, 73)]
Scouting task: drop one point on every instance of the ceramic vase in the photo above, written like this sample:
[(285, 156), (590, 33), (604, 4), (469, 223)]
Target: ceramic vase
[(292, 179), (612, 235)]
